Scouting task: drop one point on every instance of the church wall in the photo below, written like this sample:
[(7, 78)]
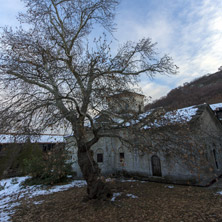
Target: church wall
[(173, 169), (212, 129), (193, 164)]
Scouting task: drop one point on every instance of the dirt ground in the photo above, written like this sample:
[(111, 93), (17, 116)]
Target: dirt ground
[(156, 202)]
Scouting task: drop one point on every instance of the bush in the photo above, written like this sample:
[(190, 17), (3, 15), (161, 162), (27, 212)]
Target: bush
[(10, 161), (12, 158), (48, 167)]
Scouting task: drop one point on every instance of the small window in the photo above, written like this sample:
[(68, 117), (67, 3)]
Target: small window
[(121, 157), (99, 157)]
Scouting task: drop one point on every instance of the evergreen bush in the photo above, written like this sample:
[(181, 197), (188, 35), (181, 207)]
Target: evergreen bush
[(48, 168)]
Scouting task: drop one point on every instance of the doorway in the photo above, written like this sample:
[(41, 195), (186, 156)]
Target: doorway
[(156, 166)]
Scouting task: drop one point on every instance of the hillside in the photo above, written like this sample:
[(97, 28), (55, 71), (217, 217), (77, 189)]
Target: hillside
[(206, 89)]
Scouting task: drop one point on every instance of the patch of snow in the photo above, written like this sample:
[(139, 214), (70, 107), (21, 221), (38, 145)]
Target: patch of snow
[(144, 115), (55, 189), (171, 117), (123, 180), (143, 181), (7, 138), (131, 195), (184, 114), (115, 195), (47, 139), (170, 186), (10, 187), (215, 106), (110, 179), (127, 124), (5, 215), (146, 127), (219, 192), (117, 120), (12, 193), (38, 202)]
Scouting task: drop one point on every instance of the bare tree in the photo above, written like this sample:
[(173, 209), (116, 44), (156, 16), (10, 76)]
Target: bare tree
[(51, 75)]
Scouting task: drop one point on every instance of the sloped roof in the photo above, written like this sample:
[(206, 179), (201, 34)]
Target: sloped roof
[(183, 115), (157, 117), (215, 106), (172, 117)]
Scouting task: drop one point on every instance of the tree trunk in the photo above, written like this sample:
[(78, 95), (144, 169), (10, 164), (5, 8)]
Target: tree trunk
[(96, 187)]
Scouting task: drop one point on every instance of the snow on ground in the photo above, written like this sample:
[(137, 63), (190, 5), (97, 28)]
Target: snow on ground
[(38, 202), (219, 192), (115, 195), (124, 180), (131, 181), (131, 195), (11, 192)]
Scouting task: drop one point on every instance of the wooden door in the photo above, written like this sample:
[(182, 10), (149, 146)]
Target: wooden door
[(156, 166)]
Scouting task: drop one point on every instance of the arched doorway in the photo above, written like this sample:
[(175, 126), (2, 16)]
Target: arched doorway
[(156, 166)]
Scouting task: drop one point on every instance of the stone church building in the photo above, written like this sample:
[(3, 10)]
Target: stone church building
[(182, 146)]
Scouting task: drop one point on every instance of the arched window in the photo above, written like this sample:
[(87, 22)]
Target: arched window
[(156, 166), (121, 155)]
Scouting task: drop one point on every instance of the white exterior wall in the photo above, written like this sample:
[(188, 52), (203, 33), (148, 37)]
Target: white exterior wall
[(137, 163), (134, 161)]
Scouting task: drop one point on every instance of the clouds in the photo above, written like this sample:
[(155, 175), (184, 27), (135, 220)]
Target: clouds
[(190, 31), (154, 90), (148, 24), (201, 40), (8, 11)]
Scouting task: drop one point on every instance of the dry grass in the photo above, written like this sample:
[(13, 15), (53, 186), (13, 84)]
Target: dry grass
[(155, 203)]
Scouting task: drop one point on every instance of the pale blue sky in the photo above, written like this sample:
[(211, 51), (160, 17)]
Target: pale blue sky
[(188, 30)]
